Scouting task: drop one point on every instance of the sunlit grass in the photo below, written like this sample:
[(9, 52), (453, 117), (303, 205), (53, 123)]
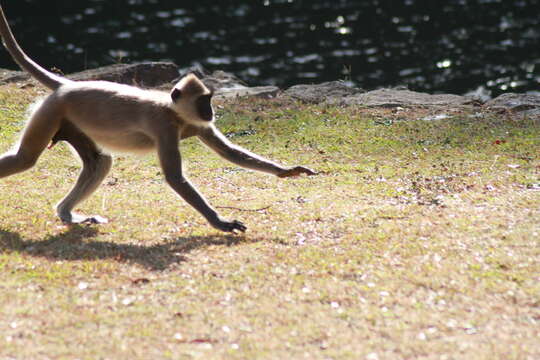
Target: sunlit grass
[(418, 239)]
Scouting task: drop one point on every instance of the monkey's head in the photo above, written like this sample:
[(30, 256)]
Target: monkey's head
[(191, 100)]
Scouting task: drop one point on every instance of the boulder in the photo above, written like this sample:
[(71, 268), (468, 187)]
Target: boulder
[(266, 92), (515, 102), (227, 85), (220, 80), (520, 104), (332, 91), (146, 74), (339, 93), (399, 97), (11, 76)]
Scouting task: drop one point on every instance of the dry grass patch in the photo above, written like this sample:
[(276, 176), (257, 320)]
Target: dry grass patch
[(419, 239)]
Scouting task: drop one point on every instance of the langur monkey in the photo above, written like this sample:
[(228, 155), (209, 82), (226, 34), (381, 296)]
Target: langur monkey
[(99, 117)]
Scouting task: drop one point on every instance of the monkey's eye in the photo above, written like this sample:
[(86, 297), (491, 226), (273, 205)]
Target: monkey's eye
[(175, 94), (204, 107)]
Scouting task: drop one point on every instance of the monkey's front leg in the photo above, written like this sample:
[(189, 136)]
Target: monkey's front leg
[(242, 157), (170, 160), (183, 187)]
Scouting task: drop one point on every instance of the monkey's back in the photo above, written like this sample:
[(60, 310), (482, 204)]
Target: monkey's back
[(113, 115)]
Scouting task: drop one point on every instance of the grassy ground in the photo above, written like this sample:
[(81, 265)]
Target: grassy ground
[(419, 239)]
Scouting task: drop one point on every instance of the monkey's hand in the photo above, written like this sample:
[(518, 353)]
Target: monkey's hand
[(229, 226), (296, 171)]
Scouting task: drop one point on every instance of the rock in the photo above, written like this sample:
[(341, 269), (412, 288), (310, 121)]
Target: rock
[(257, 91), (227, 85), (161, 75), (219, 80), (147, 74), (533, 113), (336, 92), (325, 92), (521, 104), (10, 76), (515, 102), (394, 97), (480, 94)]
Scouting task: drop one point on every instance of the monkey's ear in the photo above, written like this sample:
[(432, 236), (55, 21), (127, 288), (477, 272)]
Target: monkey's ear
[(175, 94)]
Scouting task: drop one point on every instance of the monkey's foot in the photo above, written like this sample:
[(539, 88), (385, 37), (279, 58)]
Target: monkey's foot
[(296, 171), (230, 226), (81, 219)]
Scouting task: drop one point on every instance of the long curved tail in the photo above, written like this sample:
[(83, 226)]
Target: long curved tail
[(45, 77)]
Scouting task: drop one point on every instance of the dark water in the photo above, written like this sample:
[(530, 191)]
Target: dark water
[(429, 45)]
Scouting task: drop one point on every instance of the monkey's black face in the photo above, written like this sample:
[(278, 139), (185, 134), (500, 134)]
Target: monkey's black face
[(204, 107)]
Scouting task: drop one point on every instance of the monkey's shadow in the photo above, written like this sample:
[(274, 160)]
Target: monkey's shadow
[(75, 244)]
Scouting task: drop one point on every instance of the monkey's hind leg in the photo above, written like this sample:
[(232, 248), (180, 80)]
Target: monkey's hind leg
[(96, 166), (43, 124)]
